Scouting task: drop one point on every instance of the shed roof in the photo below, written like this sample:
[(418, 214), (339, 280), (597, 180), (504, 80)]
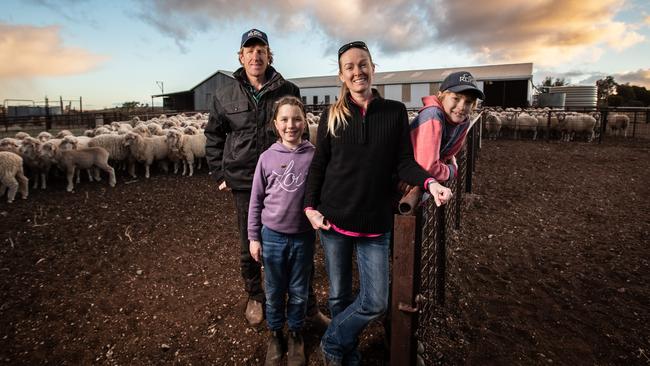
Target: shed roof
[(482, 73)]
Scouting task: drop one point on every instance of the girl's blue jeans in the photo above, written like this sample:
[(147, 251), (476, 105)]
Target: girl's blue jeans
[(288, 261)]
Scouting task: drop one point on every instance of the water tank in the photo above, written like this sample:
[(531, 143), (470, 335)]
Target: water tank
[(556, 100), (577, 95)]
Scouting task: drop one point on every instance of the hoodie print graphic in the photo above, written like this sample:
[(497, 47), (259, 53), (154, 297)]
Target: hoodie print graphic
[(288, 180)]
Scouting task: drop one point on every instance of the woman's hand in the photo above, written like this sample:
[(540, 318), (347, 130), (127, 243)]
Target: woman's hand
[(317, 220), (440, 193), (255, 248)]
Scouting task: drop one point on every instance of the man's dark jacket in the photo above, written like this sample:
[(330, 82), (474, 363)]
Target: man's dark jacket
[(238, 130)]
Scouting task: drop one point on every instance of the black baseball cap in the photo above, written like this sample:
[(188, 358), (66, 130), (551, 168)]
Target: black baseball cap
[(254, 34), (461, 81)]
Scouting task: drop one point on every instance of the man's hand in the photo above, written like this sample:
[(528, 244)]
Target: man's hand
[(223, 186)]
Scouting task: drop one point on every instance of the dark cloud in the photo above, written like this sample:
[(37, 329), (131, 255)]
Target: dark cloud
[(548, 32)]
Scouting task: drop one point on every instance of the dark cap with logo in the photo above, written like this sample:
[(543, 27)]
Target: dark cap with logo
[(254, 34), (461, 81)]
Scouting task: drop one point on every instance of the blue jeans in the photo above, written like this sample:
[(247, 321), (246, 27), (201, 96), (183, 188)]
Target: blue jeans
[(288, 261), (350, 314)]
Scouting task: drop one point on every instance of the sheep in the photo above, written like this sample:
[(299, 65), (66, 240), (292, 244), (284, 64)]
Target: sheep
[(155, 129), (190, 130), (12, 176), (44, 136), (526, 123), (543, 123), (114, 144), (102, 130), (10, 144), (618, 122), (21, 135), (75, 143), (32, 153), (189, 147), (87, 158), (313, 132), (142, 130), (574, 123), (146, 149), (63, 133), (492, 125)]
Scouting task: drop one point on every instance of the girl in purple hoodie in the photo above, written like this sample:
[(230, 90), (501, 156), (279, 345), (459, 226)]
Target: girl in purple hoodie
[(280, 234)]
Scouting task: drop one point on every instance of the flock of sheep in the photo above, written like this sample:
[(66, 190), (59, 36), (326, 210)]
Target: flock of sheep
[(180, 140), (176, 139), (566, 126)]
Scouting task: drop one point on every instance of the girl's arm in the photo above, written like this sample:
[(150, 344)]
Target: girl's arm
[(426, 137)]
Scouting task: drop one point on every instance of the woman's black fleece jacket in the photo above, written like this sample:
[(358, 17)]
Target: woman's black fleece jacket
[(351, 178)]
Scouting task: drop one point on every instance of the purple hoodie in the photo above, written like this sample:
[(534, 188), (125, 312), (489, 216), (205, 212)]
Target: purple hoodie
[(279, 189)]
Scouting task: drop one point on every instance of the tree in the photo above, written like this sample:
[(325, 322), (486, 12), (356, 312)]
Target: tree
[(606, 87), (548, 81)]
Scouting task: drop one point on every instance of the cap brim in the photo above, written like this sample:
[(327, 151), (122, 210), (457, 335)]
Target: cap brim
[(467, 88)]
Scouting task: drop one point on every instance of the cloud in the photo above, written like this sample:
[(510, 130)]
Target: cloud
[(640, 77), (646, 20), (546, 32), (30, 51)]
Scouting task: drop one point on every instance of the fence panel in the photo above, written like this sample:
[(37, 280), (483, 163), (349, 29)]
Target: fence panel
[(419, 271)]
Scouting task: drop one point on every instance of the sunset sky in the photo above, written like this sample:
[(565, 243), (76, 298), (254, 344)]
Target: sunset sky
[(110, 52)]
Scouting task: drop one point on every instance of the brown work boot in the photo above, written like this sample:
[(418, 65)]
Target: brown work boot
[(275, 349), (254, 312), (296, 353), (318, 320)]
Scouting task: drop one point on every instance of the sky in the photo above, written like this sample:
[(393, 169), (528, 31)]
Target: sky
[(111, 52)]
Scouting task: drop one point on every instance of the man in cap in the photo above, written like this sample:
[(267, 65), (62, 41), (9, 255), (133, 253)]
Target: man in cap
[(238, 131)]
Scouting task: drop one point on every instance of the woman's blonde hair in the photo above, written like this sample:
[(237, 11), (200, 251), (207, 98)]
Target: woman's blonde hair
[(339, 112)]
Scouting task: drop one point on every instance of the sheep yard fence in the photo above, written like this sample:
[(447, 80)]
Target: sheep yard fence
[(78, 122), (419, 265), (545, 126)]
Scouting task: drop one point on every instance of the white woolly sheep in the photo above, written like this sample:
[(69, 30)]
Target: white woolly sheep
[(492, 125), (189, 147), (21, 135), (146, 150), (71, 160), (117, 152), (12, 177), (618, 123), (44, 136), (63, 133)]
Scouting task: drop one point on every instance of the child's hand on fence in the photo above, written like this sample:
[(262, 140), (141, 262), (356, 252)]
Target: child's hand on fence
[(255, 248), (317, 220), (440, 193)]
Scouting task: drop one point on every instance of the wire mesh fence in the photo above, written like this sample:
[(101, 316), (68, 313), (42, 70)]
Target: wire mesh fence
[(419, 266)]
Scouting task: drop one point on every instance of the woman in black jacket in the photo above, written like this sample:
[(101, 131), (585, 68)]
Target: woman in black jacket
[(362, 140)]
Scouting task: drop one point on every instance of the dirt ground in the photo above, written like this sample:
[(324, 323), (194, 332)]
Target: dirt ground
[(551, 266)]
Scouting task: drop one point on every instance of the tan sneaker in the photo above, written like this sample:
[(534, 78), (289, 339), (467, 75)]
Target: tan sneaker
[(254, 312), (296, 353)]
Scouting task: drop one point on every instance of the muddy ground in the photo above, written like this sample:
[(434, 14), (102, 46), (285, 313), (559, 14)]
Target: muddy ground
[(551, 266)]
